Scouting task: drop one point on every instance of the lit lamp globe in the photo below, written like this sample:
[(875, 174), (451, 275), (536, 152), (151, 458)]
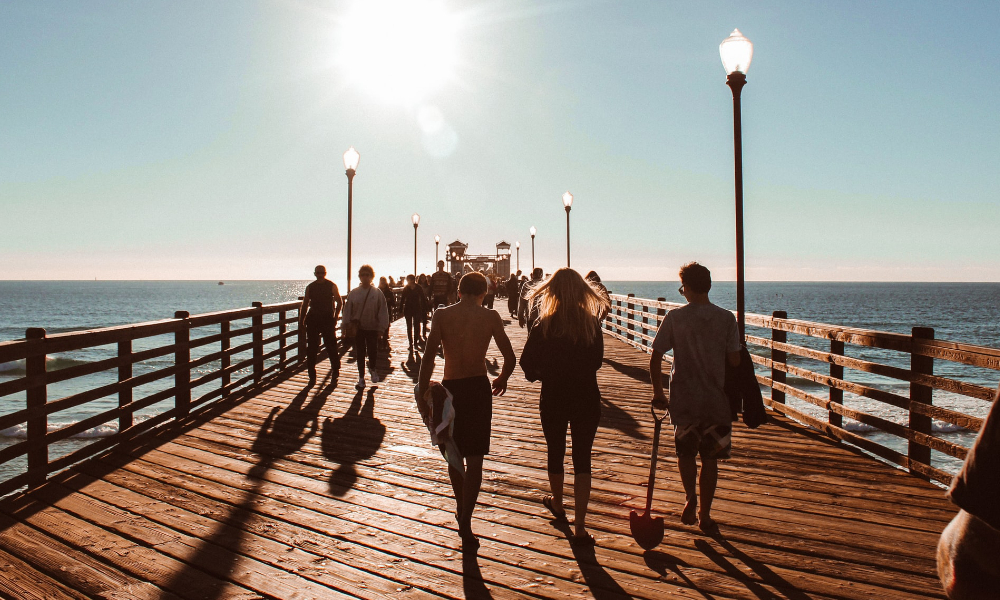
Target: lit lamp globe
[(437, 239), (532, 231), (351, 159), (737, 52), (568, 200), (416, 219)]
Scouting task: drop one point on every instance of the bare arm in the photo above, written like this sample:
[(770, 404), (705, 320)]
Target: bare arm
[(509, 359), (427, 363), (337, 303), (656, 378), (303, 308)]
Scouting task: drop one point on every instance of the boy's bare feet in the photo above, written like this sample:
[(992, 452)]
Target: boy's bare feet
[(707, 523), (688, 516)]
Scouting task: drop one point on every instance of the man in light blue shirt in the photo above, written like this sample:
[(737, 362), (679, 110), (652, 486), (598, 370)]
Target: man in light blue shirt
[(703, 338)]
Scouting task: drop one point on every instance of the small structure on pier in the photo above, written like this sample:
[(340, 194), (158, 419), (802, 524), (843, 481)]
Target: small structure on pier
[(492, 264)]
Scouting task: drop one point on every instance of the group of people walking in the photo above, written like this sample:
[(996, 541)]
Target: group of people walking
[(365, 317), (563, 315)]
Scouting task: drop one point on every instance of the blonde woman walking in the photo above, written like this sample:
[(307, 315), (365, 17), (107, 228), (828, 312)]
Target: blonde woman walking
[(564, 350)]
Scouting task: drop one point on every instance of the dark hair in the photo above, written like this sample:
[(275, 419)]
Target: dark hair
[(537, 273), (366, 269), (473, 283), (696, 278), (320, 269), (593, 276), (411, 278)]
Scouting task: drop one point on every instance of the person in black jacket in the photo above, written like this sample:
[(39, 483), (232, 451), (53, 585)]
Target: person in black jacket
[(564, 350), (414, 308)]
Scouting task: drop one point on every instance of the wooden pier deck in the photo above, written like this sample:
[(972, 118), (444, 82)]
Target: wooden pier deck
[(289, 492)]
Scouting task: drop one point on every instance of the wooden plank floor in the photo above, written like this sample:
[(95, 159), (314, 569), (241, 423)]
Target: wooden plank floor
[(322, 492)]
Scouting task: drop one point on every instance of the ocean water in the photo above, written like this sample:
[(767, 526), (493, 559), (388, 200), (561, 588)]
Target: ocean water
[(964, 312), (959, 312)]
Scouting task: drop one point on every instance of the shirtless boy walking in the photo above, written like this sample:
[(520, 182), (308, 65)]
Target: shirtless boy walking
[(464, 330)]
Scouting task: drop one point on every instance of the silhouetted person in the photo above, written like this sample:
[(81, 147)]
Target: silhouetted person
[(565, 349), (441, 283), (527, 310), (595, 279), (318, 314), (414, 308), (968, 553), (425, 284), (465, 330), (366, 305), (703, 337), (512, 294)]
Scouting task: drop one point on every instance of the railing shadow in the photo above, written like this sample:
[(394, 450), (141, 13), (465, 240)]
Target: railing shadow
[(350, 439), (283, 433), (638, 373), (615, 417)]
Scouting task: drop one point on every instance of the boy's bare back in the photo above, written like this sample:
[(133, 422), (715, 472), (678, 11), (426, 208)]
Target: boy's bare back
[(465, 330)]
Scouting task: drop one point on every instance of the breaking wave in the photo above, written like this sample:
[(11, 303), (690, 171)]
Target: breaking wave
[(20, 432), (52, 363)]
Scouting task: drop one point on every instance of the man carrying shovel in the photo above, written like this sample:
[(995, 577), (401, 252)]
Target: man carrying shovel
[(704, 337)]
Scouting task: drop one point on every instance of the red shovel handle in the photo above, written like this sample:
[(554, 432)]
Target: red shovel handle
[(652, 459)]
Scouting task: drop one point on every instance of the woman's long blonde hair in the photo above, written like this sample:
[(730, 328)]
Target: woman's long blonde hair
[(569, 306)]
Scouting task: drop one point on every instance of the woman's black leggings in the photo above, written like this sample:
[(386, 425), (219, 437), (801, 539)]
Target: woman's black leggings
[(366, 344), (582, 421)]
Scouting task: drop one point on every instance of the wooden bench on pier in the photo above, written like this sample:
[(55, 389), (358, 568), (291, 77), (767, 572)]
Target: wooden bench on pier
[(253, 484)]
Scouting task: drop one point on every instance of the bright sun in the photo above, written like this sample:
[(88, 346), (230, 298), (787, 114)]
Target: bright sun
[(398, 50)]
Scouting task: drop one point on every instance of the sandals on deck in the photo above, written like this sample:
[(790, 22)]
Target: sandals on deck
[(560, 515), (582, 540)]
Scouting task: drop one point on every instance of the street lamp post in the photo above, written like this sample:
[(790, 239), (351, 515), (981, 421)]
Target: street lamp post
[(532, 231), (416, 222), (351, 160), (568, 203), (737, 52), (517, 246), (437, 242)]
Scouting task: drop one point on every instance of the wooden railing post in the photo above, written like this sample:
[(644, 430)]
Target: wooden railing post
[(38, 421), (224, 362), (836, 394), (300, 354), (660, 314), (777, 375), (281, 342), (182, 360), (920, 365), (258, 341), (125, 394), (630, 314)]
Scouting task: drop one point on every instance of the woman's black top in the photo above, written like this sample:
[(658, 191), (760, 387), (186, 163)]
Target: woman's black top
[(413, 301), (568, 370)]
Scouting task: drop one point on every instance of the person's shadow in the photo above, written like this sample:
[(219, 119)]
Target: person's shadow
[(765, 573), (602, 585), (350, 439), (472, 578)]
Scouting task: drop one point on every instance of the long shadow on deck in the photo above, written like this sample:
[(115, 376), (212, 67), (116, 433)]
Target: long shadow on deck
[(350, 439), (765, 573), (283, 433)]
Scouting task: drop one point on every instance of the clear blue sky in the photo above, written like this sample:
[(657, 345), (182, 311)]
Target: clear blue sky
[(203, 140)]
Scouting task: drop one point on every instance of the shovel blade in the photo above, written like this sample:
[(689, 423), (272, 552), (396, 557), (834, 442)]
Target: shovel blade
[(647, 531)]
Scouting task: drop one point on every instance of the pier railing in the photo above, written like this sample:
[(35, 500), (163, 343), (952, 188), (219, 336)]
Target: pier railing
[(168, 367), (635, 320)]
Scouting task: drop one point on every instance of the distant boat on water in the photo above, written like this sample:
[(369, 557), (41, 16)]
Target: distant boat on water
[(221, 283)]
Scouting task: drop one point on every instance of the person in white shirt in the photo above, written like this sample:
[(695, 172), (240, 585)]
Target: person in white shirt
[(367, 306)]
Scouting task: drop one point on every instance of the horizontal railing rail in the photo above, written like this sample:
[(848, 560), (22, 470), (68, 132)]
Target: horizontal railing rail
[(235, 348), (635, 321)]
